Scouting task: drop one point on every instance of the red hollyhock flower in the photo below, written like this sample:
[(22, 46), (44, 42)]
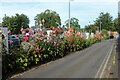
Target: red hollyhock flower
[(81, 29), (56, 32), (70, 31), (63, 44), (51, 28)]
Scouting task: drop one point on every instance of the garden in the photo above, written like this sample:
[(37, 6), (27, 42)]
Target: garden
[(42, 48)]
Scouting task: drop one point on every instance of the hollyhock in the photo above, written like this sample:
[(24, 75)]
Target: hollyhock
[(51, 28), (54, 42), (29, 45), (53, 35), (51, 39), (43, 20), (33, 44), (31, 29), (32, 47), (21, 29), (38, 29), (45, 40), (36, 33), (39, 21), (9, 31), (29, 32), (11, 42), (39, 34), (33, 35), (70, 31), (37, 48), (40, 24)]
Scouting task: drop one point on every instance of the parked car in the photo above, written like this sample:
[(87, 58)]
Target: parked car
[(19, 36), (15, 41)]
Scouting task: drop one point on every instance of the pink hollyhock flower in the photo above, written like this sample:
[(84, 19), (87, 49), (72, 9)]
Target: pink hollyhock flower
[(45, 35), (40, 24), (38, 29), (37, 48), (11, 42), (54, 42), (36, 33), (29, 32), (33, 35), (31, 29), (45, 40), (51, 39), (39, 34), (40, 38), (32, 47), (53, 35), (21, 29), (39, 21), (29, 45), (49, 36), (36, 24), (33, 44), (43, 20), (9, 31)]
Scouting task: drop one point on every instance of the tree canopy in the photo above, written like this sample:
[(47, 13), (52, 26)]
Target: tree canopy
[(74, 22), (52, 19), (90, 28), (15, 23), (106, 21)]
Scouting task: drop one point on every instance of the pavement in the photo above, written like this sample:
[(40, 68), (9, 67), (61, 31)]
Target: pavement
[(113, 67), (87, 63)]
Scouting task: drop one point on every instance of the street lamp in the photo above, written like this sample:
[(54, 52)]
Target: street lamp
[(100, 26), (69, 13)]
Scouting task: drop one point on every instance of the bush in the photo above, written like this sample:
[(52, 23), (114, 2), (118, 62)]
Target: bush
[(105, 34), (42, 48)]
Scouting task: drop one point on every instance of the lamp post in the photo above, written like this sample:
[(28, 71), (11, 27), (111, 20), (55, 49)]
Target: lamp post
[(69, 13), (100, 26)]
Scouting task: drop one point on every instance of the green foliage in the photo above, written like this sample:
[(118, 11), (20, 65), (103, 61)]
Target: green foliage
[(15, 23), (52, 19), (106, 20), (74, 22), (105, 34), (90, 28), (41, 50)]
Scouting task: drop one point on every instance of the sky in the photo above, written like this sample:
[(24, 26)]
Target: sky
[(85, 10)]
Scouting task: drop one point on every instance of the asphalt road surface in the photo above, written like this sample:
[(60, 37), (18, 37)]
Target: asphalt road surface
[(82, 64)]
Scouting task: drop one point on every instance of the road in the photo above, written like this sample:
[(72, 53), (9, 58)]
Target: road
[(81, 64)]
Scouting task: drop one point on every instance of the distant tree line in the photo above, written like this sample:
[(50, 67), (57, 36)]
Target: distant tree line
[(52, 19)]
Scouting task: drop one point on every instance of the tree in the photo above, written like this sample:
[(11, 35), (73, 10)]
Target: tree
[(90, 28), (106, 20), (15, 23), (74, 22), (52, 19)]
